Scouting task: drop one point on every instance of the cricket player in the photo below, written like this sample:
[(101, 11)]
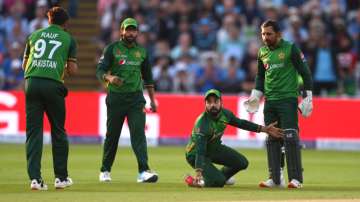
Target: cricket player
[(279, 64), (50, 53), (205, 148), (125, 67)]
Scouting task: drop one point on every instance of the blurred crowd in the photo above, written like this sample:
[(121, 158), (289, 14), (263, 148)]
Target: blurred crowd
[(18, 19), (197, 45)]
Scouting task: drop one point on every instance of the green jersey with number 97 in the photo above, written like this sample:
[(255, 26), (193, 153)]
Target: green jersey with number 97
[(47, 51)]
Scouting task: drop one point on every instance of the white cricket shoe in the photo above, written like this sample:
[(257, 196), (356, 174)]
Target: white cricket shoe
[(295, 184), (62, 184), (147, 176), (38, 185), (104, 176), (230, 181), (271, 184)]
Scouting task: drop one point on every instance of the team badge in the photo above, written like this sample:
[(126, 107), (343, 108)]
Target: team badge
[(281, 55), (137, 54)]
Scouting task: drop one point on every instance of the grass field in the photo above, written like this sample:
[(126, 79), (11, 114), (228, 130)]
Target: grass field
[(329, 176)]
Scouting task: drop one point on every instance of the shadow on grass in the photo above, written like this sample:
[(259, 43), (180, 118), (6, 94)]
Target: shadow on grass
[(172, 187)]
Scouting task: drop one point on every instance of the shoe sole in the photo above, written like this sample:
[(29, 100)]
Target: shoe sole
[(35, 189), (262, 185), (62, 187), (291, 186), (152, 179)]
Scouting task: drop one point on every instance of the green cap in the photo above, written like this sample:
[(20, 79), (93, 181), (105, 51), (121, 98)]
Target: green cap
[(212, 92), (129, 22)]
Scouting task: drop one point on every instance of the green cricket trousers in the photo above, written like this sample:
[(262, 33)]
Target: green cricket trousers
[(231, 160), (45, 95), (119, 107), (285, 113)]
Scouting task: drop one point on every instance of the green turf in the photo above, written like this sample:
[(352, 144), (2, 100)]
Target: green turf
[(328, 175)]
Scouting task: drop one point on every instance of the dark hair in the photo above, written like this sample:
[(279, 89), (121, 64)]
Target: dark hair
[(57, 15), (273, 24)]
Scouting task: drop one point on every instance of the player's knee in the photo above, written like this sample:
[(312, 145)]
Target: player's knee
[(245, 164), (241, 164), (291, 136)]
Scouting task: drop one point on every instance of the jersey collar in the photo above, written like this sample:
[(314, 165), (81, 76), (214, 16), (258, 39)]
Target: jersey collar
[(56, 26)]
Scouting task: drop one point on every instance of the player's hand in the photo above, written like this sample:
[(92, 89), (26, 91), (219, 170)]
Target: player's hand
[(273, 131), (199, 180), (252, 104), (114, 80), (153, 106), (306, 105)]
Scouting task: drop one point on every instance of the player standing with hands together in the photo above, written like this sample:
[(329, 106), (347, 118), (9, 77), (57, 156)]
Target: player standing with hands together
[(125, 67), (279, 64), (49, 54)]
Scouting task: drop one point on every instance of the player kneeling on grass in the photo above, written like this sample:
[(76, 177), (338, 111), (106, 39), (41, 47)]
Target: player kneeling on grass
[(205, 147)]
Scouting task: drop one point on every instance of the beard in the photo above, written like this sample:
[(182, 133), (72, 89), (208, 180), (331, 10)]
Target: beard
[(269, 43), (129, 39), (213, 111)]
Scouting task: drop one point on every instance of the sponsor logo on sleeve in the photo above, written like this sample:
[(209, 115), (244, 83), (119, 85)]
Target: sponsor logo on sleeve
[(302, 56), (122, 62)]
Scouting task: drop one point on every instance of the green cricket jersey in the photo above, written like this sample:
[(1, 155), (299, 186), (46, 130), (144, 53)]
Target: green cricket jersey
[(207, 132), (278, 71), (47, 51), (131, 64)]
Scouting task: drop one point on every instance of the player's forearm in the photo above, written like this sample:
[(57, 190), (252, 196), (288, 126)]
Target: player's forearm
[(246, 125), (71, 68), (260, 77), (259, 83), (200, 149), (199, 162), (25, 60), (100, 72), (306, 76), (151, 92), (301, 66)]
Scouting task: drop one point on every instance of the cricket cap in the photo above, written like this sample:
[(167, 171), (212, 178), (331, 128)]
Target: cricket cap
[(129, 22), (212, 92)]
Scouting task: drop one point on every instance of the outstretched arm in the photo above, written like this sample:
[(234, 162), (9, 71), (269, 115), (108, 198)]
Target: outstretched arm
[(250, 126)]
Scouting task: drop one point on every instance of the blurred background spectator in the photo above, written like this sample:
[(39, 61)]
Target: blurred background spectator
[(40, 20), (197, 45)]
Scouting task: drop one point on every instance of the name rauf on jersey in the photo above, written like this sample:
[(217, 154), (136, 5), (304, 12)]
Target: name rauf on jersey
[(49, 35)]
